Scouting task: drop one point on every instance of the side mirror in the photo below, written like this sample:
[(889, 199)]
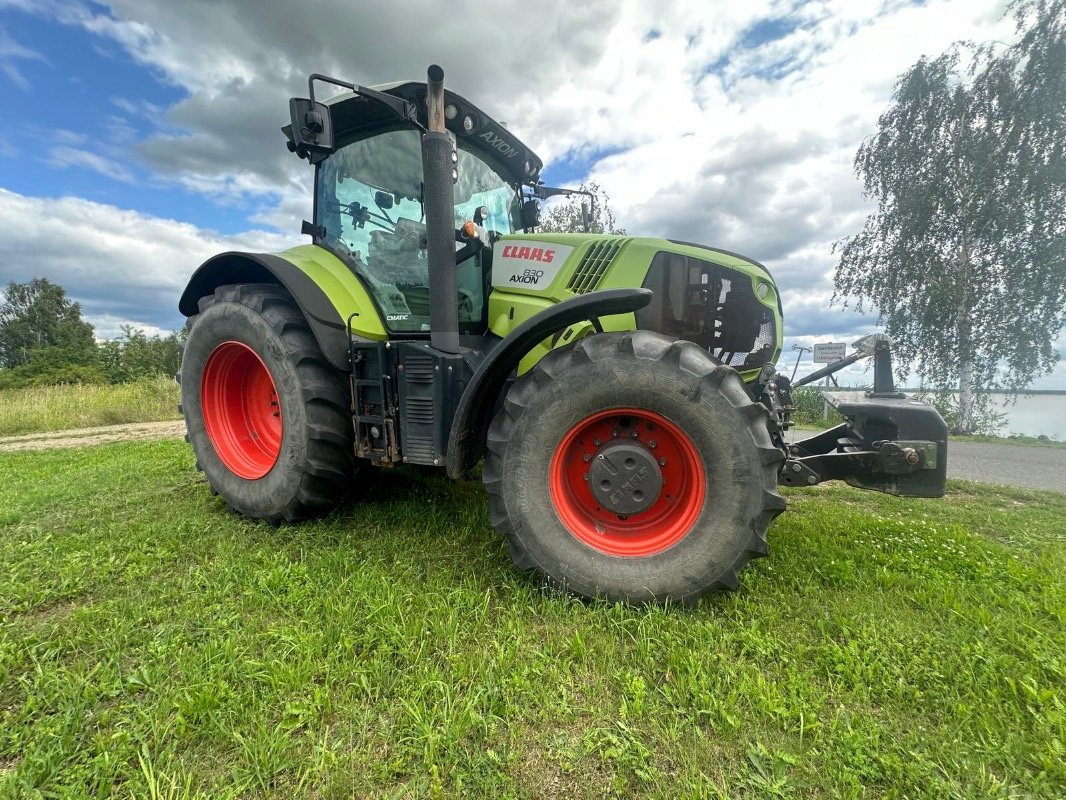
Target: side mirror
[(530, 214), (312, 126)]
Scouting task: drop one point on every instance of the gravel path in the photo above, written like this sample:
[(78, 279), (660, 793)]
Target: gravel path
[(171, 429), (1007, 464)]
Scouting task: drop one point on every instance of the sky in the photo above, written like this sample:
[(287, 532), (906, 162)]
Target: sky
[(143, 136)]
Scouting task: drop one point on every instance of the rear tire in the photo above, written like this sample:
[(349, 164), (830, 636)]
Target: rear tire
[(267, 417), (710, 477)]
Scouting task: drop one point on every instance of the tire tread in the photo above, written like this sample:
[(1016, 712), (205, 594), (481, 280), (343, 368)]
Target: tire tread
[(329, 465), (649, 345)]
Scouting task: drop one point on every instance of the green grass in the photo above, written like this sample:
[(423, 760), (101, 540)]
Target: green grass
[(53, 408), (154, 645)]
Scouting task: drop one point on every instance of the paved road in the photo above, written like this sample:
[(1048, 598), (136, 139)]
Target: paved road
[(1006, 464), (1010, 464)]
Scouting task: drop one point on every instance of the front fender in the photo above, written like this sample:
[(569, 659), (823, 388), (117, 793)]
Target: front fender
[(466, 444)]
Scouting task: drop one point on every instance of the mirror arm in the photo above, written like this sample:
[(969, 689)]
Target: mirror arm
[(325, 79), (542, 192), (401, 108)]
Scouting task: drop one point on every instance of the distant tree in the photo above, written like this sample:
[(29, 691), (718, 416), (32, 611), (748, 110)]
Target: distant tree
[(48, 366), (565, 216), (135, 355), (37, 316), (964, 258)]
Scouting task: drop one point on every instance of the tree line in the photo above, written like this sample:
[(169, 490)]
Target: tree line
[(44, 340)]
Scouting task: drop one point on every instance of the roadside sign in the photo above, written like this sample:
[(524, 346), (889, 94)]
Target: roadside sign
[(829, 352)]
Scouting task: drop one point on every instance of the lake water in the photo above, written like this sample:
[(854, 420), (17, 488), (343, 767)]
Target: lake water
[(1029, 415), (1034, 415)]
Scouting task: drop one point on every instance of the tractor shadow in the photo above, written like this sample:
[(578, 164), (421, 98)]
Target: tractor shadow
[(417, 520), (403, 513)]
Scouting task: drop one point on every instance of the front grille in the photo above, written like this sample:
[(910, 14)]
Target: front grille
[(709, 304), (761, 351), (593, 266)]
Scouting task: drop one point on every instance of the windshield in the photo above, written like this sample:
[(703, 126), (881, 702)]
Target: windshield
[(369, 201)]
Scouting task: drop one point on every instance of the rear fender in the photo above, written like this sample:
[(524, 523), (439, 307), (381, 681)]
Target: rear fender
[(326, 313)]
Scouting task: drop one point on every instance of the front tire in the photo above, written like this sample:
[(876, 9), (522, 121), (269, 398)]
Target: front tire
[(633, 467), (268, 418)]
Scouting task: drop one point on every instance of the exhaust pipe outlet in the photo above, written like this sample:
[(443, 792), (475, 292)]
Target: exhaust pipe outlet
[(439, 203), (435, 98)]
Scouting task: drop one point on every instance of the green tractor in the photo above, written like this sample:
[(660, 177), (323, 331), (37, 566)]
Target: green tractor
[(620, 390)]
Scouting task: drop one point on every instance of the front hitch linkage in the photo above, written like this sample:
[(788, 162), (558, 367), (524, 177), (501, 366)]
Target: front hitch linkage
[(887, 442)]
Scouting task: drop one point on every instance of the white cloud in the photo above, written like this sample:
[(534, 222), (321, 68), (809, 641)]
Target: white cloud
[(11, 52), (65, 156), (109, 326), (122, 266)]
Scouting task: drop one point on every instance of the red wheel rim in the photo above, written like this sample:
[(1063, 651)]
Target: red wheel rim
[(655, 529), (242, 413)]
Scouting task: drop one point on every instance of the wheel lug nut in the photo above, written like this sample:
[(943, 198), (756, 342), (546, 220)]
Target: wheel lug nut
[(652, 444), (596, 442), (635, 434), (586, 458), (662, 462), (614, 434)]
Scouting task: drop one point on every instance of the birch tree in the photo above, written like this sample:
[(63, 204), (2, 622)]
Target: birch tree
[(964, 258)]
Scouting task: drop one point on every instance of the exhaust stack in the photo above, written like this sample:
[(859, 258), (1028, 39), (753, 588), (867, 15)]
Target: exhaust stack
[(439, 203), (435, 98)]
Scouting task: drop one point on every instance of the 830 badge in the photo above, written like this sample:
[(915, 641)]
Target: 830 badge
[(527, 264)]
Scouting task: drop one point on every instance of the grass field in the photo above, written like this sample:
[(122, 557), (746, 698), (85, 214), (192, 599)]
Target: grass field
[(154, 645), (53, 408)]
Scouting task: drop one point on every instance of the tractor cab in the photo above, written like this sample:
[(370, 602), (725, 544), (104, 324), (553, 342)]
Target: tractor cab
[(370, 212), (369, 207)]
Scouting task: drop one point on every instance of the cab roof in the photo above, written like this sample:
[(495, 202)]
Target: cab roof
[(354, 116)]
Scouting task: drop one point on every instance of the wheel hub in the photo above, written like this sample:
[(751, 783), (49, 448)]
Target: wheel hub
[(241, 410), (625, 477), (627, 481)]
